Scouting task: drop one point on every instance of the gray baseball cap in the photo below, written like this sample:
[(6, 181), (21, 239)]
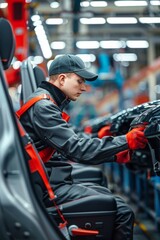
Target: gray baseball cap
[(71, 64)]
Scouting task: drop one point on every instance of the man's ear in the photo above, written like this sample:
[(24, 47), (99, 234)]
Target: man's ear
[(62, 79)]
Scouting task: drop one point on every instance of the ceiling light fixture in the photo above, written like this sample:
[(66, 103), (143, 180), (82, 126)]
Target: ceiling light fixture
[(87, 57), (130, 3), (149, 20), (54, 4), (43, 41), (98, 20), (54, 21), (58, 45), (36, 23), (112, 44), (84, 4), (121, 20), (3, 5), (98, 3), (35, 17), (93, 3), (87, 44), (125, 57), (155, 2), (137, 44)]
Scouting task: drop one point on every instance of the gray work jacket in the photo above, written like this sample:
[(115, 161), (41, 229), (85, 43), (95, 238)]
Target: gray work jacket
[(45, 125)]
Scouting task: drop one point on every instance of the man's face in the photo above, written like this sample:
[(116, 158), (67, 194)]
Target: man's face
[(73, 86)]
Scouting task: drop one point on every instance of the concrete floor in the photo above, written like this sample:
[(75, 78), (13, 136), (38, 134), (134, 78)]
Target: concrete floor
[(145, 228)]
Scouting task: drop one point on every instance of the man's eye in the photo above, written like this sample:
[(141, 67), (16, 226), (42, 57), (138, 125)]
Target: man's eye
[(80, 81)]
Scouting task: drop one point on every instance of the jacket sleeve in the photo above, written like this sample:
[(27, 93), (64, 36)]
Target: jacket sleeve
[(51, 128)]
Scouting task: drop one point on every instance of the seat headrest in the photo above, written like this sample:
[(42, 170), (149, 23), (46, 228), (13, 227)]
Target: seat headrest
[(7, 43), (39, 75)]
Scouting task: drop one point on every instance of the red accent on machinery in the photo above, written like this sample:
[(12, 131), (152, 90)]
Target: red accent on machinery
[(17, 14)]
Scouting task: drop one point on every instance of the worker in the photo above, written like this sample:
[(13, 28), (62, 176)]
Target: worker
[(46, 123)]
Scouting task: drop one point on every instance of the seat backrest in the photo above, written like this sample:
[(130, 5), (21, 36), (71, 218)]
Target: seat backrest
[(7, 43), (39, 75), (28, 80), (31, 77), (23, 207)]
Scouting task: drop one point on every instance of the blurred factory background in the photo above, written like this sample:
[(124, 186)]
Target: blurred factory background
[(119, 40)]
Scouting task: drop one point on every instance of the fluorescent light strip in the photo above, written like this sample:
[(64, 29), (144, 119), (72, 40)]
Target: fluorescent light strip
[(58, 45), (121, 20), (98, 4), (130, 3), (155, 3), (87, 57), (125, 57), (54, 4), (84, 4), (137, 44), (36, 23), (87, 44), (149, 19), (97, 20), (112, 44), (54, 21), (3, 5), (35, 18), (93, 4), (43, 41)]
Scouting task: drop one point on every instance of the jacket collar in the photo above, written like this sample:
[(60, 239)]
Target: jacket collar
[(60, 98)]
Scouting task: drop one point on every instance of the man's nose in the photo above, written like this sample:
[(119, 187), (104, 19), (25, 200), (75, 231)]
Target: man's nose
[(84, 87)]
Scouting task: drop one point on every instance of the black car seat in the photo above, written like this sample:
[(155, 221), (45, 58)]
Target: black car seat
[(87, 217), (22, 215), (31, 77), (81, 211)]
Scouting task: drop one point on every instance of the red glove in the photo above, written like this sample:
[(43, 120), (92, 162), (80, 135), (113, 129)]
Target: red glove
[(123, 157), (88, 129), (104, 131), (136, 138)]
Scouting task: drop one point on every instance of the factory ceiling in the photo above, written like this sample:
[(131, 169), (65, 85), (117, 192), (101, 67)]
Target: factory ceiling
[(91, 27), (84, 27)]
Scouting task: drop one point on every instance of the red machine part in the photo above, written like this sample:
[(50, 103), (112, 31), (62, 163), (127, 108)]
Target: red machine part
[(75, 231), (17, 14)]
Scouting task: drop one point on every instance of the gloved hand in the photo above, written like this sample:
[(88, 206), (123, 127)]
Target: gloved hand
[(136, 138), (88, 129), (123, 157), (104, 131)]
